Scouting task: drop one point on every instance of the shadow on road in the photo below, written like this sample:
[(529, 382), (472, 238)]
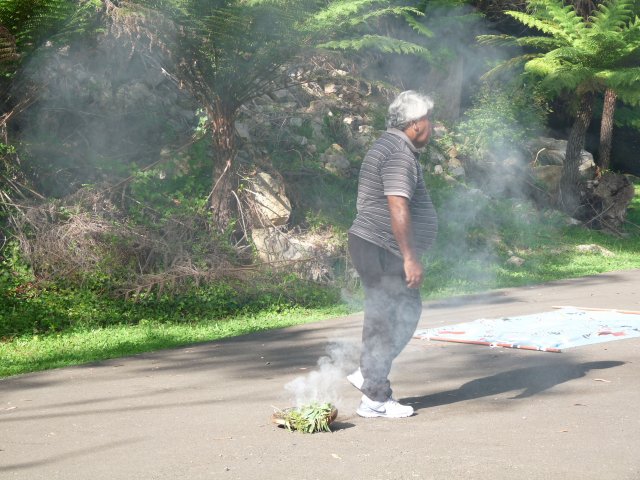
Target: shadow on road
[(530, 381)]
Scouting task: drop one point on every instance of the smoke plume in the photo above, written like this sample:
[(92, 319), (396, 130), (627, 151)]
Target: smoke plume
[(324, 383)]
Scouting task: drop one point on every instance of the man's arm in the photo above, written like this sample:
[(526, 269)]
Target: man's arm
[(402, 230)]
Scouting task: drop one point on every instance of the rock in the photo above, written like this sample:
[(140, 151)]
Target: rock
[(267, 193), (457, 172), (438, 170), (515, 261), (439, 130), (548, 178), (587, 167), (300, 140), (335, 160), (242, 129), (307, 254), (597, 249), (296, 122), (316, 127), (319, 107), (282, 95), (552, 151), (455, 168), (330, 88)]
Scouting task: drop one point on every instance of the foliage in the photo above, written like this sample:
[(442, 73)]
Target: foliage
[(30, 352), (478, 235), (577, 54), (356, 26), (28, 24), (48, 326), (311, 418), (29, 307), (501, 119)]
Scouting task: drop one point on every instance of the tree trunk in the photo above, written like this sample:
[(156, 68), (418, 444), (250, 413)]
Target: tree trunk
[(606, 129), (570, 184), (225, 179)]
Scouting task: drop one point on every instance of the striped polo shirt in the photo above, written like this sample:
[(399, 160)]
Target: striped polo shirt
[(391, 167)]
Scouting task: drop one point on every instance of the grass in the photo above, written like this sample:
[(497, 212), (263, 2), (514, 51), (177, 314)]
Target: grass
[(40, 352), (472, 255), (475, 242)]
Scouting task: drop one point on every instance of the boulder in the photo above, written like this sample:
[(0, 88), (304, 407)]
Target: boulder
[(308, 254), (548, 177), (335, 160), (242, 129), (552, 151), (270, 203)]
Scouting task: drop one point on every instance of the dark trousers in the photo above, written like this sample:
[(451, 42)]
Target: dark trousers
[(391, 313)]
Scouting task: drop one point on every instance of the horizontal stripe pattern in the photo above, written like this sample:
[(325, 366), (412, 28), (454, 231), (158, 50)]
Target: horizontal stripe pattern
[(392, 168)]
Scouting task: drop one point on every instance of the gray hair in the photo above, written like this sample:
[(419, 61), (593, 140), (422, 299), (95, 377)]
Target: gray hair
[(408, 107)]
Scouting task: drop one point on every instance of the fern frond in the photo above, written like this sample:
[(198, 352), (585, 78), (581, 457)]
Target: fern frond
[(417, 26), (567, 18), (545, 26), (401, 11), (621, 78), (627, 117), (630, 97), (564, 78), (539, 43), (380, 43), (612, 15), (508, 66), (568, 55), (341, 12), (497, 40)]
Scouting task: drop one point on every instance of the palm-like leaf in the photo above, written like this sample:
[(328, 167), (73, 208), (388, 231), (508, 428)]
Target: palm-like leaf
[(379, 43)]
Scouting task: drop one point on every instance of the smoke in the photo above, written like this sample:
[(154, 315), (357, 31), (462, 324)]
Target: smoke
[(323, 384), (104, 106)]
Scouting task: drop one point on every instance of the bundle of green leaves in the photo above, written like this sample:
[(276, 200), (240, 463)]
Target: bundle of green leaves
[(310, 418)]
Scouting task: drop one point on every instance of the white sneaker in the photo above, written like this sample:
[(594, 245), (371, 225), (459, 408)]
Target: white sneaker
[(390, 409), (356, 379)]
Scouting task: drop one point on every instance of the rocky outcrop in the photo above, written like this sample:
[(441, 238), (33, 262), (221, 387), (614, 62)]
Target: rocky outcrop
[(311, 255), (270, 205), (551, 151)]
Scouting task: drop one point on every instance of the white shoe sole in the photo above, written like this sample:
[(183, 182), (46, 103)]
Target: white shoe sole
[(368, 413)]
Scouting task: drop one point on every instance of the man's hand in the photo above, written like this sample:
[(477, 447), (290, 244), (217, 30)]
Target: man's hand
[(414, 272)]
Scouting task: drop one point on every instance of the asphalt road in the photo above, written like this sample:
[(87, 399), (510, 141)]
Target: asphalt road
[(203, 411)]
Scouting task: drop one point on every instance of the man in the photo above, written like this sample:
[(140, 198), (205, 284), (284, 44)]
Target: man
[(395, 224)]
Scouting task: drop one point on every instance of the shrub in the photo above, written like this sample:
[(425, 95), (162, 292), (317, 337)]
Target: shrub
[(499, 120)]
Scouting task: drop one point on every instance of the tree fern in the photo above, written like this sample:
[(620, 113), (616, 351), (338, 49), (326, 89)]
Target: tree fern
[(507, 66), (614, 15), (542, 25), (537, 43), (347, 12), (380, 43), (628, 117), (31, 22), (596, 54), (417, 26)]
